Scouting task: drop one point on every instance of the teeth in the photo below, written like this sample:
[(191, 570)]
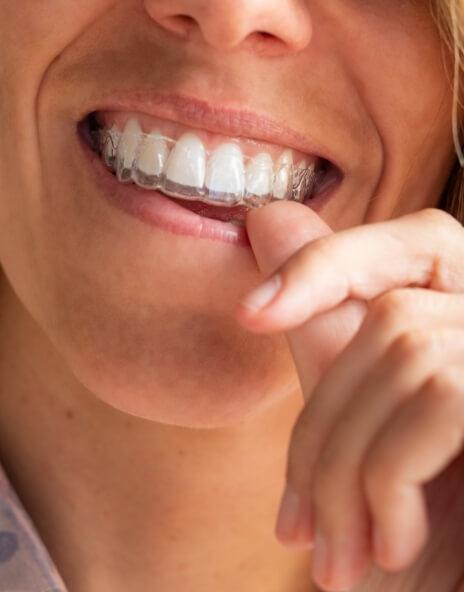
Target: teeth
[(127, 148), (109, 145), (225, 173), (283, 177), (188, 171), (187, 162), (302, 165), (303, 179), (151, 160), (259, 175)]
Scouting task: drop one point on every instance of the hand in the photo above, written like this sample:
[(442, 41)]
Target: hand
[(374, 316)]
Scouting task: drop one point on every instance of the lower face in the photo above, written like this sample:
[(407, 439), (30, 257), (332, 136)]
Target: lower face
[(134, 289)]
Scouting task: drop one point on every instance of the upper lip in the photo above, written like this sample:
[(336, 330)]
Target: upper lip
[(225, 120)]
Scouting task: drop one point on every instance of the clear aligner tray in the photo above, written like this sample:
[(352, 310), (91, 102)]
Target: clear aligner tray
[(288, 182)]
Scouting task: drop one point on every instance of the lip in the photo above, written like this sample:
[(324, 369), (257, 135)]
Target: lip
[(155, 208), (228, 120)]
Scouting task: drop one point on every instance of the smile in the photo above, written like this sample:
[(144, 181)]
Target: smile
[(189, 168), (197, 165)]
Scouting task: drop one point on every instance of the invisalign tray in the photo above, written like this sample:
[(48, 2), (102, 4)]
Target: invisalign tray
[(294, 183)]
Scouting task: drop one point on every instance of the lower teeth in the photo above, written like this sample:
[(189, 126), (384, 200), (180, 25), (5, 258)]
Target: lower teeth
[(301, 187)]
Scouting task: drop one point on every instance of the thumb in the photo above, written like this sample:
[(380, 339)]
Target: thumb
[(276, 232), (280, 229)]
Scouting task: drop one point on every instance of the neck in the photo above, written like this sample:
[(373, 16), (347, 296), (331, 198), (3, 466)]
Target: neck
[(159, 507)]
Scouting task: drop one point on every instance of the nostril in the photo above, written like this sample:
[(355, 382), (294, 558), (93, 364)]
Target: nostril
[(265, 35), (179, 23), (265, 43), (185, 19)]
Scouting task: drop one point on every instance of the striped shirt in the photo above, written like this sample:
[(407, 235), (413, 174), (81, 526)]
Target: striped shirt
[(25, 565)]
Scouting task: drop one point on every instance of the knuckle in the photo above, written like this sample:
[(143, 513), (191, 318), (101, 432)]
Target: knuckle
[(410, 345), (391, 309), (443, 225), (447, 234), (446, 382), (440, 218)]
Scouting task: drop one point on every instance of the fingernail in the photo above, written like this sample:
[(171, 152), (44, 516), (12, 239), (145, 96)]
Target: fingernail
[(340, 570), (320, 559), (262, 295), (289, 512), (333, 565)]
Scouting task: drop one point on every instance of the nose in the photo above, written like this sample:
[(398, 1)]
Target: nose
[(275, 26)]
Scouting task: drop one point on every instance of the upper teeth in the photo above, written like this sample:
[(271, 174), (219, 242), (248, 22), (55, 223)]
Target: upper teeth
[(153, 155), (224, 175), (186, 164), (225, 172)]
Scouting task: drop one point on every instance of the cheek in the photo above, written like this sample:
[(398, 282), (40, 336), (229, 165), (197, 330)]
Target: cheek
[(47, 27), (406, 89), (406, 80)]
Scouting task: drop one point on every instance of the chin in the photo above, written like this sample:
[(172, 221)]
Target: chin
[(190, 370)]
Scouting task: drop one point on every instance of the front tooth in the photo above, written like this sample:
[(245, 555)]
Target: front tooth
[(151, 159), (225, 172), (127, 149), (187, 162), (259, 175), (283, 177)]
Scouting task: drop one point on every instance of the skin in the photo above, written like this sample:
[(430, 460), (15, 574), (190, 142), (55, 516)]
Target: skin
[(135, 413)]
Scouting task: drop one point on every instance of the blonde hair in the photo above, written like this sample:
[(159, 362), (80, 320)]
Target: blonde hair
[(450, 17)]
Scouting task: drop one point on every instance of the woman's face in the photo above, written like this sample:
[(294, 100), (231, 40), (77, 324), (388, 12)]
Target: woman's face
[(143, 315)]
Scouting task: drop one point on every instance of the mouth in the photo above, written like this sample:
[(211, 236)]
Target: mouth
[(168, 162)]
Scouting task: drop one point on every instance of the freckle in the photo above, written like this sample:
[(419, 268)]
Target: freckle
[(69, 414)]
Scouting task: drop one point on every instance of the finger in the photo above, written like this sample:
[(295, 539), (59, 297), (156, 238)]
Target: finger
[(316, 344), (395, 318), (279, 230), (294, 527), (422, 249), (398, 316), (421, 440), (276, 232), (338, 499)]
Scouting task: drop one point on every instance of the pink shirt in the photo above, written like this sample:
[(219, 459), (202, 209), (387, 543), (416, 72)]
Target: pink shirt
[(25, 565)]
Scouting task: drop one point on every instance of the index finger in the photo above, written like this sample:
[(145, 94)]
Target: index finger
[(423, 249)]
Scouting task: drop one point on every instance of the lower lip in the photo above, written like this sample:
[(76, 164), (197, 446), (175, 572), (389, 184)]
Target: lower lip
[(160, 211)]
